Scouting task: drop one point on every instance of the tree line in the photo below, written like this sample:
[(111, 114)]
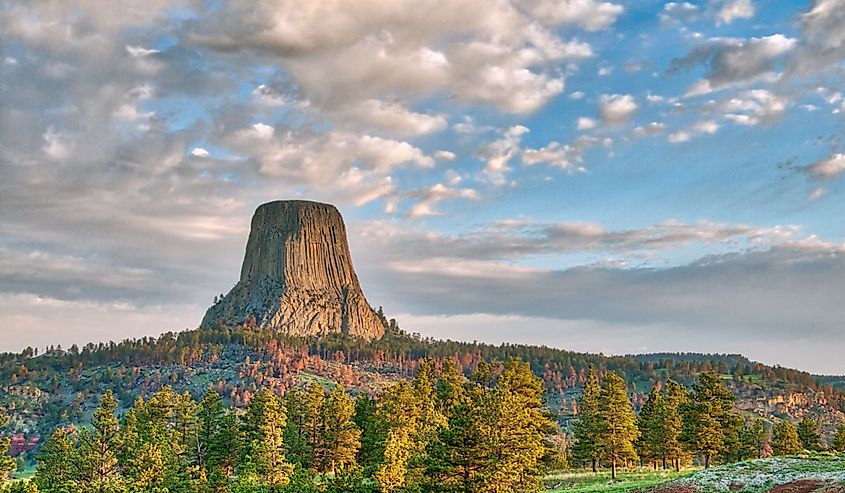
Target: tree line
[(676, 426), (441, 432)]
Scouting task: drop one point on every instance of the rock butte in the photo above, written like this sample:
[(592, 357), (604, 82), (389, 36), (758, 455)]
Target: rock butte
[(297, 276)]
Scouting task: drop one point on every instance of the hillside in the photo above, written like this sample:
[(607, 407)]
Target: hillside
[(56, 387)]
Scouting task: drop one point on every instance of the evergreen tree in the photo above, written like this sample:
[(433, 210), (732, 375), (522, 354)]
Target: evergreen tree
[(264, 422), (838, 443), (7, 464), (586, 428), (399, 414), (520, 426), (617, 423), (755, 436), (340, 438), (808, 434), (373, 433), (671, 423), (458, 459), (785, 439), (649, 422), (57, 462), (707, 417), (99, 448)]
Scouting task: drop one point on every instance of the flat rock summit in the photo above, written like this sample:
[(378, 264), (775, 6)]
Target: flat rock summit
[(297, 276)]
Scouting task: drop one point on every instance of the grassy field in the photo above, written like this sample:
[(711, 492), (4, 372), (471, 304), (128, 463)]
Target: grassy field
[(626, 481), (803, 473)]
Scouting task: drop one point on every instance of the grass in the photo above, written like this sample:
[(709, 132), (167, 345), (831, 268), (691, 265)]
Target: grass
[(756, 476), (629, 481)]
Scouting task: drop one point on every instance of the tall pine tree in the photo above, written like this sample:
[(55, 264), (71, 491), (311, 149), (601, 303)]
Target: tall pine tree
[(617, 423), (586, 427)]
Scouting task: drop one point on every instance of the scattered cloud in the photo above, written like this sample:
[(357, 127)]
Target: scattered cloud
[(615, 109), (827, 169)]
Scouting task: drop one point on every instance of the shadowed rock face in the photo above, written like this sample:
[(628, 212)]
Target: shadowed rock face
[(297, 275)]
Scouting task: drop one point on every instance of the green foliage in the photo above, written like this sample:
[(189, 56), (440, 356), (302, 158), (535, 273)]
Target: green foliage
[(709, 419), (808, 434), (785, 439), (838, 443), (587, 428), (7, 464), (617, 423)]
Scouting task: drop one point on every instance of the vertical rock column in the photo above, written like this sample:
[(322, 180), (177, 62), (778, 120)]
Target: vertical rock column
[(297, 275)]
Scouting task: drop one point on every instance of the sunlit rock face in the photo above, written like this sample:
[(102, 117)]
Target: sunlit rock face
[(297, 276)]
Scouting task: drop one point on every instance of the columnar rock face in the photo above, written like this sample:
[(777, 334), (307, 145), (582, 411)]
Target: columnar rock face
[(297, 276)]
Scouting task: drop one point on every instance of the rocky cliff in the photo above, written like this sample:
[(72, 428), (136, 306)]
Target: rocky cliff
[(297, 276)]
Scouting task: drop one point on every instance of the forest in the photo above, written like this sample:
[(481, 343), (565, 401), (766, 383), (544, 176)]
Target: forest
[(236, 409), (442, 431)]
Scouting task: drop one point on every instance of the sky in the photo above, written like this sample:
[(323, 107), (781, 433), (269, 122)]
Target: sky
[(603, 176)]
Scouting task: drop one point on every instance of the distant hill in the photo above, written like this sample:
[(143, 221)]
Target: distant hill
[(60, 387)]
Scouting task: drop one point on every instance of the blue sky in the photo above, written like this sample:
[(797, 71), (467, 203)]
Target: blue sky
[(593, 175)]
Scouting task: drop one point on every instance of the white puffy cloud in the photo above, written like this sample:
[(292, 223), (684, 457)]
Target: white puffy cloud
[(592, 15), (754, 107), (498, 53), (731, 10), (615, 109), (585, 123)]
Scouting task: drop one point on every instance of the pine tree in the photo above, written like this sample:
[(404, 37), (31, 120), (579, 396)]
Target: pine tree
[(210, 425), (838, 443), (373, 433), (458, 459), (808, 434), (617, 423), (265, 423), (391, 475), (755, 436), (707, 417), (7, 464), (586, 428), (399, 415), (520, 426), (57, 461), (671, 423), (99, 448), (785, 439), (340, 438), (649, 422)]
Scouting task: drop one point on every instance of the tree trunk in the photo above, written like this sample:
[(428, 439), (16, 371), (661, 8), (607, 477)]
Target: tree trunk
[(594, 465), (706, 461), (664, 462), (677, 464), (613, 468)]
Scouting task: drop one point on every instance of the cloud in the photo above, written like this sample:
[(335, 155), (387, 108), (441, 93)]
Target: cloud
[(585, 123), (592, 15), (499, 54), (499, 153), (731, 61), (679, 11), (754, 107), (617, 108), (428, 198), (735, 9), (393, 118), (565, 157), (827, 169)]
